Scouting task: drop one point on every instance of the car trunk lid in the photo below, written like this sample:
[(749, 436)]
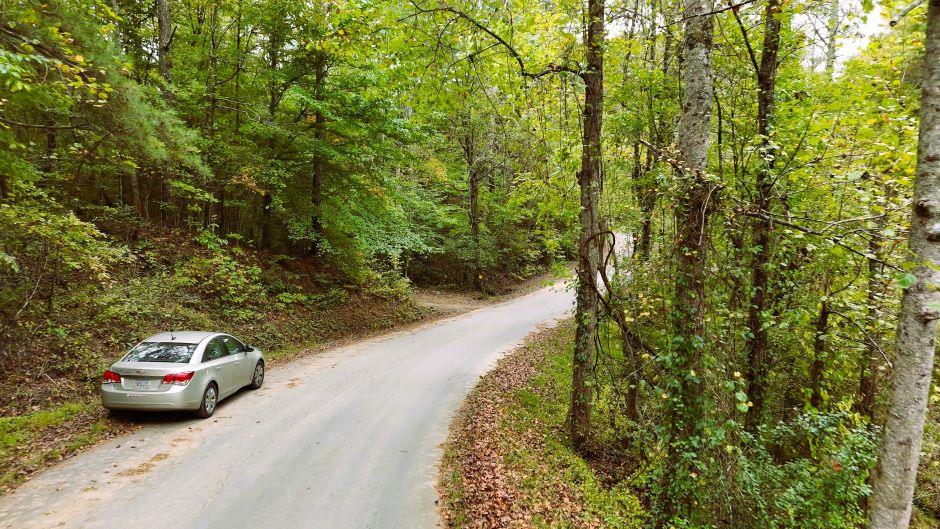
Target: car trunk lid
[(145, 376)]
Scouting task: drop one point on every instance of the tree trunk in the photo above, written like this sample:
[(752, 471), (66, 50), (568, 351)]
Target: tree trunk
[(590, 184), (164, 43), (165, 68), (48, 162), (686, 409), (631, 348), (133, 182), (221, 219), (868, 375), (645, 190), (819, 349), (264, 241), (646, 199), (833, 36), (238, 72), (274, 54), (212, 74), (316, 183), (468, 145), (756, 344), (475, 228), (896, 472)]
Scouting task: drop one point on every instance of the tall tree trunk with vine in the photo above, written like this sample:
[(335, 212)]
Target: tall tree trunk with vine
[(895, 475), (590, 183), (686, 409)]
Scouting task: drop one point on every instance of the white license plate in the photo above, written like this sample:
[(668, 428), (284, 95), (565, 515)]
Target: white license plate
[(142, 383)]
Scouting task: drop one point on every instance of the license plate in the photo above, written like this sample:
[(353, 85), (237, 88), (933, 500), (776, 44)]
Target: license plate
[(142, 383)]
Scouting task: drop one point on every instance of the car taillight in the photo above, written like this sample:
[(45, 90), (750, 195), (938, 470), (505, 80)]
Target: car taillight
[(180, 379), (110, 377)]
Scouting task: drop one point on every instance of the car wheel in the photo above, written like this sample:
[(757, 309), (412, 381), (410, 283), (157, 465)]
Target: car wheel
[(257, 378), (210, 399)]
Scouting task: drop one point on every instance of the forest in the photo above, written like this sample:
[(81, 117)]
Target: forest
[(773, 165)]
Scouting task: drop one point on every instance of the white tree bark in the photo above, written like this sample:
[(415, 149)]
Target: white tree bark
[(894, 477), (694, 125)]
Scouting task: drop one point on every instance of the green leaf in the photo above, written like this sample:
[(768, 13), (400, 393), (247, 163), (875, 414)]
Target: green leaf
[(906, 280)]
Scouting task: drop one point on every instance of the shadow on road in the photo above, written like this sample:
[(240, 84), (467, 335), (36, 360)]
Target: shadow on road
[(158, 417)]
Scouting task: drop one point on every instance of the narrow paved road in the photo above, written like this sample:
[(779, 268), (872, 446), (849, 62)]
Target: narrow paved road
[(345, 439)]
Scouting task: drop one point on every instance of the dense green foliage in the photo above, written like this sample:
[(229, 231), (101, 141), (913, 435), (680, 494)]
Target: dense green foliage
[(842, 154), (319, 133)]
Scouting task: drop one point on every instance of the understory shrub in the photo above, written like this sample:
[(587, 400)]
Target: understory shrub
[(808, 473)]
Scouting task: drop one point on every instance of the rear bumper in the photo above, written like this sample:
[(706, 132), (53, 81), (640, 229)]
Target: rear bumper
[(187, 397)]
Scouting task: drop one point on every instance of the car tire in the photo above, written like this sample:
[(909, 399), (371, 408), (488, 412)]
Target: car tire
[(257, 376), (210, 400)]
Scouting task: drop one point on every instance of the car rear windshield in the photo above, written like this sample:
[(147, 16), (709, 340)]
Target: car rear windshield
[(175, 353)]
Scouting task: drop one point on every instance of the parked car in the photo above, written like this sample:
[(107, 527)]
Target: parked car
[(182, 371)]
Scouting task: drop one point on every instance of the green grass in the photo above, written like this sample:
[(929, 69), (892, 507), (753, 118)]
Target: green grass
[(33, 440), (452, 487), (543, 404)]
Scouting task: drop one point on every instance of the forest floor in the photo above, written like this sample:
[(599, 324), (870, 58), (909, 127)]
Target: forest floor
[(507, 462), (45, 419)]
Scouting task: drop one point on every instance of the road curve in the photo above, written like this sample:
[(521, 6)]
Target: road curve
[(345, 439)]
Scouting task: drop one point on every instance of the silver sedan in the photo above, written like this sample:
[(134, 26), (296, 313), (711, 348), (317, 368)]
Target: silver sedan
[(181, 371)]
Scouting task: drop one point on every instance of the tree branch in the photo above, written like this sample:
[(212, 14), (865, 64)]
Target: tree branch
[(729, 7), (865, 334), (835, 239), (747, 41), (551, 69), (913, 5), (10, 122)]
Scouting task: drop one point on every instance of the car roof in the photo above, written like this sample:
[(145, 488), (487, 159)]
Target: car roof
[(181, 336)]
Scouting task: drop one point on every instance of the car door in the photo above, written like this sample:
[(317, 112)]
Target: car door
[(217, 360), (241, 368)]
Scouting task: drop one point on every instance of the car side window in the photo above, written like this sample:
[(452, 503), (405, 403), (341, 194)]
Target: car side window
[(233, 345), (214, 350)]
